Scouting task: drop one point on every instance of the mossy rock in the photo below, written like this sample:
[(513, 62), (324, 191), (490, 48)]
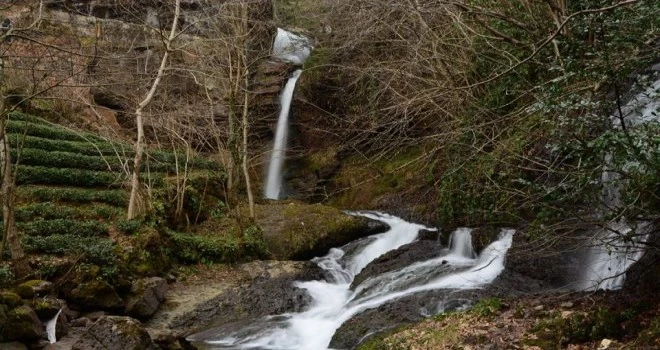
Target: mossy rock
[(10, 299), (46, 308), (115, 333), (96, 294), (21, 323), (34, 288), (300, 231)]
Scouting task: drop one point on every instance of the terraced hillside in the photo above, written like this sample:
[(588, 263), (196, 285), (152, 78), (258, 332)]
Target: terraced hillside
[(72, 195)]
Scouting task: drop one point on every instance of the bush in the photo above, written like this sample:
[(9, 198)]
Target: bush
[(74, 195), (48, 131), (66, 177), (222, 248), (63, 227), (128, 226), (95, 249), (6, 276), (81, 147), (57, 159), (51, 211)]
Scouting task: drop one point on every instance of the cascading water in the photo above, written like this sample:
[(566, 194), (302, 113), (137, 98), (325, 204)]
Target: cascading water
[(295, 49), (618, 245), (51, 327), (333, 303), (274, 178)]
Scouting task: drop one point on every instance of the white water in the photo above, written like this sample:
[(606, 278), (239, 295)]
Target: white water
[(334, 303), (620, 244), (274, 178), (51, 327), (295, 49)]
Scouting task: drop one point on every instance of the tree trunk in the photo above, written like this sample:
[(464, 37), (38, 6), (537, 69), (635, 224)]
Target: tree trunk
[(10, 237), (139, 119)]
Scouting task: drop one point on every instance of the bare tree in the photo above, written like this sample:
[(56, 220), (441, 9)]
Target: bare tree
[(139, 117)]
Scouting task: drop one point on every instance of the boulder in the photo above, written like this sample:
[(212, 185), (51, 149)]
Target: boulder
[(34, 288), (47, 308), (115, 333), (96, 294), (20, 323), (146, 296), (10, 299)]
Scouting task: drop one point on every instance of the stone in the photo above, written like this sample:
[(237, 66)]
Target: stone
[(96, 295), (34, 288), (22, 324), (10, 299), (567, 305), (115, 333), (146, 296), (46, 308), (605, 344)]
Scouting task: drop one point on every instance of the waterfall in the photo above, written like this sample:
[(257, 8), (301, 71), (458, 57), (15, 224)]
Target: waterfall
[(333, 303), (51, 327), (294, 49), (274, 178), (619, 244), (460, 242)]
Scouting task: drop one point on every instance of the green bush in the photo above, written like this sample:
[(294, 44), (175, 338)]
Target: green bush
[(128, 226), (6, 276), (74, 195), (57, 159), (190, 248), (95, 249), (82, 147), (66, 177), (48, 131), (63, 227), (51, 211)]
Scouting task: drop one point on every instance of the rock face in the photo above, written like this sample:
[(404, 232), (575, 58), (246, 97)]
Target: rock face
[(396, 259), (146, 296), (115, 333), (20, 323), (301, 232), (271, 292)]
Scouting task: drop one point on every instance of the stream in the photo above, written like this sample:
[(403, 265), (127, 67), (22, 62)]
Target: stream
[(333, 302)]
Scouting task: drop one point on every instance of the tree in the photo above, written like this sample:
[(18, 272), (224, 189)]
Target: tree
[(139, 113)]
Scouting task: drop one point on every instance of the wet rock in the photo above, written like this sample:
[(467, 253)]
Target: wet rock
[(46, 308), (271, 292), (145, 297), (399, 258), (96, 294), (20, 323), (34, 288), (115, 333)]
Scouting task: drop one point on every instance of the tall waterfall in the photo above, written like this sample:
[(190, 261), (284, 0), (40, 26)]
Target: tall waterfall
[(295, 49), (619, 244), (333, 302)]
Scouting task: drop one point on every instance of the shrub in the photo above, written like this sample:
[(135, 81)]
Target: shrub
[(222, 248), (58, 159), (74, 195), (128, 226), (51, 211), (66, 177), (95, 249), (64, 227), (48, 131), (6, 276)]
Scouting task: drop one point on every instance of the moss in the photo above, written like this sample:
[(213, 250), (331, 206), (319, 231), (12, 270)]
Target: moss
[(10, 299)]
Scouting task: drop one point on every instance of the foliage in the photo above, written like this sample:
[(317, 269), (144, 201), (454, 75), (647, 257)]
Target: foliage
[(128, 226), (223, 247), (64, 227), (487, 307), (6, 276), (93, 249), (49, 211), (77, 177), (74, 195)]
